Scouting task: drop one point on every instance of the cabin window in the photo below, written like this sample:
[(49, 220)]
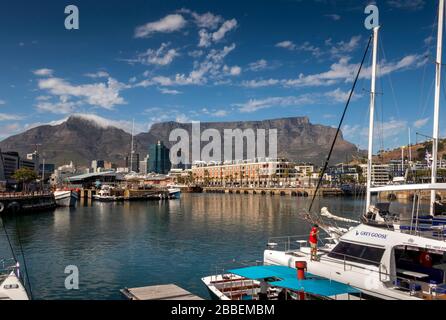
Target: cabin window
[(357, 253)]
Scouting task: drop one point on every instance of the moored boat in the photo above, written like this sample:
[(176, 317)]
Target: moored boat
[(277, 283), (11, 287), (66, 198)]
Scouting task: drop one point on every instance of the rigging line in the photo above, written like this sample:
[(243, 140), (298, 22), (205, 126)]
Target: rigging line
[(340, 123), (9, 240), (23, 256), (392, 89), (430, 47), (427, 98)]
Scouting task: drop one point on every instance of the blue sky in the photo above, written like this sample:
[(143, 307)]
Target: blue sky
[(219, 60)]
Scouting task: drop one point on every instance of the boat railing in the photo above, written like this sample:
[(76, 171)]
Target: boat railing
[(293, 243), (7, 265)]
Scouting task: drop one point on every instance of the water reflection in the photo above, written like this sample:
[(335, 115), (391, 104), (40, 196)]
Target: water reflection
[(117, 245)]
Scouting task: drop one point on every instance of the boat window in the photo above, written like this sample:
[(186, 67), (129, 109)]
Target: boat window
[(357, 253)]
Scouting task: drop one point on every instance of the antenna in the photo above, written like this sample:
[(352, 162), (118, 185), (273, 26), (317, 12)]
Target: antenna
[(131, 149)]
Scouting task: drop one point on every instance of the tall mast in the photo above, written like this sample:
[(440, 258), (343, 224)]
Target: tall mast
[(372, 116), (131, 149), (437, 101)]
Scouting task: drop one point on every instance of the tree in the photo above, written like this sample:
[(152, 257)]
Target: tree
[(25, 176)]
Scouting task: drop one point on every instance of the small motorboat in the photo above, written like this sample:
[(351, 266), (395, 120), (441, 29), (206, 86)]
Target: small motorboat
[(283, 283), (174, 193), (66, 198)]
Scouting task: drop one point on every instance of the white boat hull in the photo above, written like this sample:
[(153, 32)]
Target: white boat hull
[(12, 289), (66, 198), (174, 193)]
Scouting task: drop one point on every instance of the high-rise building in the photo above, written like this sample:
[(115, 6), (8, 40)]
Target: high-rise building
[(134, 166), (159, 159), (144, 165)]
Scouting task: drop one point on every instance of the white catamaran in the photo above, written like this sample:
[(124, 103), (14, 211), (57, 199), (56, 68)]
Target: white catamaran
[(385, 255)]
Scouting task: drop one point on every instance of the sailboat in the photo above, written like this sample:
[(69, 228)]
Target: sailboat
[(11, 287), (384, 256)]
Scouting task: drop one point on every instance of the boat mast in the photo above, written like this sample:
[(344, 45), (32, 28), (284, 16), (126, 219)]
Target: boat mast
[(437, 102), (372, 116), (131, 149)]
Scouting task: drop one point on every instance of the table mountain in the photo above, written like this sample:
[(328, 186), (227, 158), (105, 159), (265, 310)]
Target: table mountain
[(82, 140)]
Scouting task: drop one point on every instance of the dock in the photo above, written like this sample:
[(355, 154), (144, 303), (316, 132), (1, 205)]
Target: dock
[(159, 292), (294, 192), (18, 202)]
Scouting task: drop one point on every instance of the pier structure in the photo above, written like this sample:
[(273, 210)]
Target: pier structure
[(128, 194), (160, 292), (22, 202), (296, 192)]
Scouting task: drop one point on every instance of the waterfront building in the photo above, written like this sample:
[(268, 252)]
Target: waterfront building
[(11, 162), (261, 172), (305, 169), (91, 180), (46, 170), (144, 165), (380, 174), (108, 165), (159, 159), (97, 165), (134, 166), (61, 173)]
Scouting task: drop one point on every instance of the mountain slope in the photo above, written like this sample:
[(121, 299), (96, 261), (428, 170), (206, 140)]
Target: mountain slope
[(82, 140)]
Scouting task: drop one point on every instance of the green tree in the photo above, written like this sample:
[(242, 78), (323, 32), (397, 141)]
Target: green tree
[(25, 176)]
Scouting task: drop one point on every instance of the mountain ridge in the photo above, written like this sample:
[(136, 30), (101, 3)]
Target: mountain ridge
[(82, 140)]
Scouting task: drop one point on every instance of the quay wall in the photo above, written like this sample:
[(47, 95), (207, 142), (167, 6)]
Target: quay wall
[(296, 192), (25, 202)]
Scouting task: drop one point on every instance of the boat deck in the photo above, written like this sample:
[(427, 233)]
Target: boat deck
[(159, 292)]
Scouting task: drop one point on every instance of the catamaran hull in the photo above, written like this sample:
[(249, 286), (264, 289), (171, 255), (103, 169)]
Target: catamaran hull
[(364, 280)]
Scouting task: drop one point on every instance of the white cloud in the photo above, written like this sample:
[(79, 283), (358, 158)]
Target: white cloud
[(206, 38), (334, 17), (10, 117), (260, 83), (2, 102), (169, 91), (62, 106), (421, 123), (412, 5), (161, 56), (225, 28), (340, 71), (43, 72), (384, 130), (340, 96), (341, 48), (96, 75), (105, 95), (286, 45), (207, 20), (254, 105), (306, 46), (212, 67), (168, 24), (258, 65), (233, 71)]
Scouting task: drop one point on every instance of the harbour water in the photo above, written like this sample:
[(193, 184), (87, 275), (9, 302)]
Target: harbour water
[(133, 244)]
